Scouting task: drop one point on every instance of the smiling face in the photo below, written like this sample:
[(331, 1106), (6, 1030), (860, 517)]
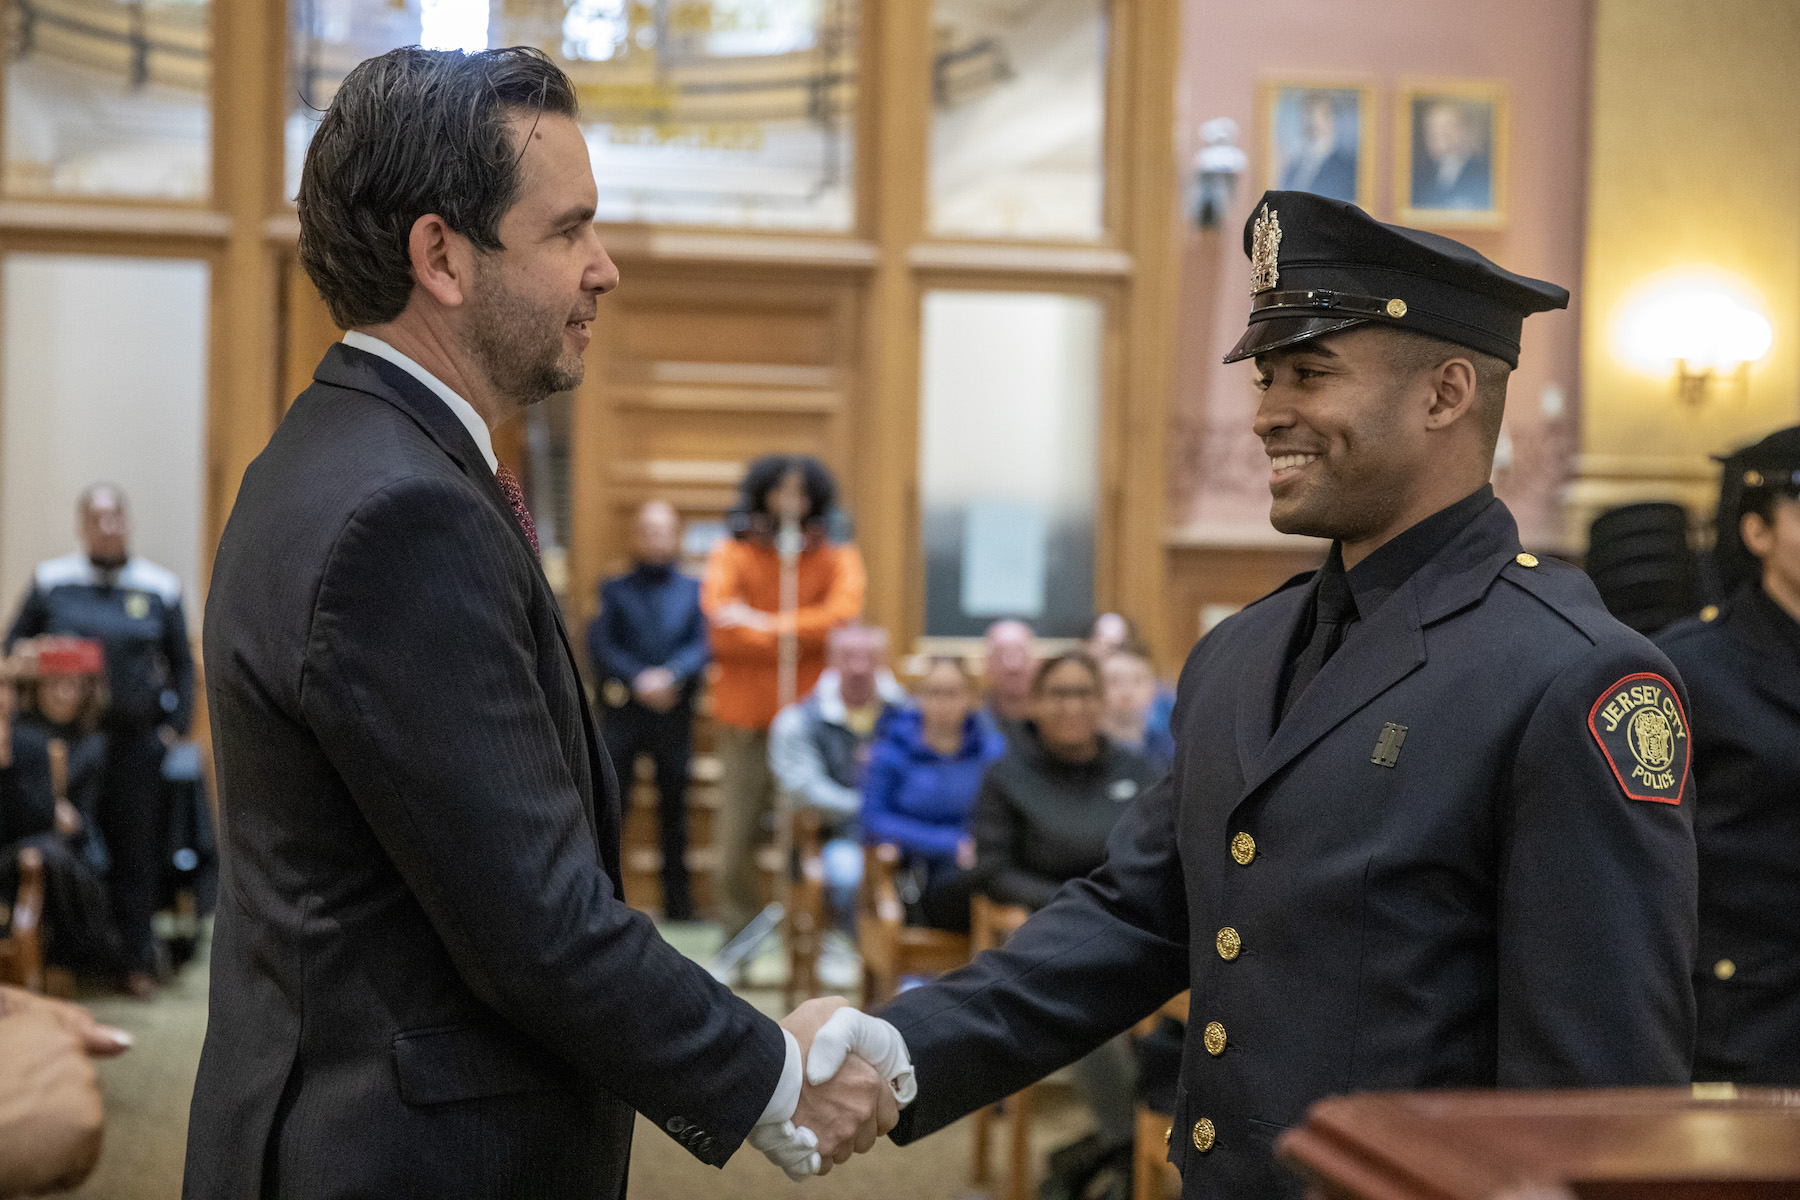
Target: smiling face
[(1068, 707), (534, 301), (944, 700), (1342, 434)]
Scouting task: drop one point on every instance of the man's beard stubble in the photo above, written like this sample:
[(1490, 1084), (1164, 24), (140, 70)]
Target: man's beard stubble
[(518, 346)]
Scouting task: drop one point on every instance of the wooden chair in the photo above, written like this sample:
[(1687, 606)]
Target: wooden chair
[(21, 951), (805, 908), (1151, 1170), (990, 924), (891, 949)]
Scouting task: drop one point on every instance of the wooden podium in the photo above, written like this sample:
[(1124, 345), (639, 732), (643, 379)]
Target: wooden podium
[(1710, 1141)]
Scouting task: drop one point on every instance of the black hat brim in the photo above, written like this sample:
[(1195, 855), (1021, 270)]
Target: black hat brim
[(1263, 336)]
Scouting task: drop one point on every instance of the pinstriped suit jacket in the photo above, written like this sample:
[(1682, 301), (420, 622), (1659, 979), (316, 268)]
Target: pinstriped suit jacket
[(425, 980)]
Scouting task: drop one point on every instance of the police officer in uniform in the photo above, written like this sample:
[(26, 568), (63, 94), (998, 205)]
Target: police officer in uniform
[(133, 607), (1430, 818), (1741, 662)]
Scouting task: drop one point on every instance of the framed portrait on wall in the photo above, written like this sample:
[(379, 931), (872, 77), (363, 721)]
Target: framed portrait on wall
[(1450, 154), (1316, 136)]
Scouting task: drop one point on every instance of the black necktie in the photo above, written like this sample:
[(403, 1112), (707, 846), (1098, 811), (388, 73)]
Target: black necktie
[(1333, 610)]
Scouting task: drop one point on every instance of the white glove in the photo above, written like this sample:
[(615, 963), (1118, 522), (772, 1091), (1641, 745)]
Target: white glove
[(794, 1150), (849, 1031)]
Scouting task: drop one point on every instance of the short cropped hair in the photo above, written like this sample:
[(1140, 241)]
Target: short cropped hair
[(413, 132), (1415, 352)]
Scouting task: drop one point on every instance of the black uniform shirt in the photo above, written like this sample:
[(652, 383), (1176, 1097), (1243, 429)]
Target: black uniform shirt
[(1381, 574)]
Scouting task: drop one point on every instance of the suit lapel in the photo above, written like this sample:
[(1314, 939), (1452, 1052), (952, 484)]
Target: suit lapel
[(347, 367), (1268, 650), (1378, 654)]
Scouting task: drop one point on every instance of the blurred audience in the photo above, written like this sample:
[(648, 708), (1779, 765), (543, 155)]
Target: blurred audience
[(1011, 662), (1130, 695), (52, 756), (133, 608), (648, 646), (1042, 818), (818, 748), (50, 1110), (741, 596), (1113, 630), (923, 773)]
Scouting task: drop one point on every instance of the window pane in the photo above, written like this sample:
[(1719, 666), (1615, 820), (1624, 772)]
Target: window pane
[(109, 99), (1007, 466), (737, 113), (1018, 120), (134, 416)]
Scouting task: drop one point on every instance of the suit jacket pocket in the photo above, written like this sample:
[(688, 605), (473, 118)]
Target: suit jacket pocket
[(464, 1062)]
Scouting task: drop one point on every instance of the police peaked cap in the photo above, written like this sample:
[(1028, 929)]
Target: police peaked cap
[(1320, 266), (1772, 464)]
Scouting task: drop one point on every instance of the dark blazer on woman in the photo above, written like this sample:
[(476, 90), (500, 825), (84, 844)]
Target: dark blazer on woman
[(1040, 821), (1742, 667), (425, 979)]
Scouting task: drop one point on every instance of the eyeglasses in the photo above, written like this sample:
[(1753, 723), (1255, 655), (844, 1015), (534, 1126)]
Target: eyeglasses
[(1074, 695)]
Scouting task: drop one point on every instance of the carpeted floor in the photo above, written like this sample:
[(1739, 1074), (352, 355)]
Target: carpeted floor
[(147, 1093)]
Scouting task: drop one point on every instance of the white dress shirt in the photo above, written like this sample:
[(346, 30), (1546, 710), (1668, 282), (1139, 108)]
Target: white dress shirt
[(465, 412), (786, 1099)]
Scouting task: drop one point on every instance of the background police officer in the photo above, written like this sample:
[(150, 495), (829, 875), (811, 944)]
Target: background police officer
[(1429, 822), (1741, 662), (133, 607)]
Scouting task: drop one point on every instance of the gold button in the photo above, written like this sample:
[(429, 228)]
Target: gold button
[(1396, 308), (1243, 848), (1213, 1038), (1166, 1134), (1228, 943), (1525, 560), (1710, 613), (1204, 1135), (1753, 479), (1724, 969)]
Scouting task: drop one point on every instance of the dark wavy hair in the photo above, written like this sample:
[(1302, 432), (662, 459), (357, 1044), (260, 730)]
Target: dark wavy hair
[(751, 512), (1080, 658), (412, 132)]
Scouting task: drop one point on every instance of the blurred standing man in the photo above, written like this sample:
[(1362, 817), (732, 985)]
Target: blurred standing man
[(1430, 819), (133, 607), (1010, 666), (426, 981), (648, 647), (1741, 662)]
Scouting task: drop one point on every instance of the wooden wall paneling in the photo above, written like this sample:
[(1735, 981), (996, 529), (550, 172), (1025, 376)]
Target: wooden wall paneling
[(307, 330), (896, 99), (1147, 32), (1231, 576), (248, 67)]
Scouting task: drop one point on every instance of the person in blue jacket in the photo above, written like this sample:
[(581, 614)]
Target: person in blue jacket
[(921, 781)]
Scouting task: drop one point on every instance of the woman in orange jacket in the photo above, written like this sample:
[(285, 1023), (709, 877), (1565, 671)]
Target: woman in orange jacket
[(741, 596)]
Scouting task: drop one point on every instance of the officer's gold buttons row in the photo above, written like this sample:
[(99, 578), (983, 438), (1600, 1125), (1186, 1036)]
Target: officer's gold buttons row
[(1229, 945)]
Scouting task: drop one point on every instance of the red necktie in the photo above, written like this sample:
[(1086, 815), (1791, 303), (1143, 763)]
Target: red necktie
[(515, 496)]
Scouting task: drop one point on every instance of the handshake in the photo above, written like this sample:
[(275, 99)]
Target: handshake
[(856, 1076)]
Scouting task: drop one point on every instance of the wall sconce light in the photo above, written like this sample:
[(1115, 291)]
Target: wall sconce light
[(1217, 167), (1698, 328)]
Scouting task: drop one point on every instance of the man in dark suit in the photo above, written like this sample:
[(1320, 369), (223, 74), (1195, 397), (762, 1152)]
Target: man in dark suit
[(648, 647), (1430, 818), (1741, 661), (426, 982)]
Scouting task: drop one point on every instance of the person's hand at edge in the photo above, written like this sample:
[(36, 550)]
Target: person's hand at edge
[(99, 1041)]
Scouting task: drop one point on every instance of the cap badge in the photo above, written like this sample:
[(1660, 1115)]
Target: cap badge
[(1265, 241)]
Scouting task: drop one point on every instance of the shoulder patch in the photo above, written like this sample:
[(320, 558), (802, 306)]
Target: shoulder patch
[(1643, 732)]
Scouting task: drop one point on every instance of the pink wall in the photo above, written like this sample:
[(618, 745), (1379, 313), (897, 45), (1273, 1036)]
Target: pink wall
[(1540, 50)]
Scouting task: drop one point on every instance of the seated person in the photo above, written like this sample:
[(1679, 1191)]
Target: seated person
[(923, 774), (1042, 818), (1130, 695), (1011, 660), (819, 745), (1110, 632), (52, 758)]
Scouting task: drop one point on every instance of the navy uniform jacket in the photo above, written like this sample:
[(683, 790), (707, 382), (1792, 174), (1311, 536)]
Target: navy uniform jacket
[(649, 617), (136, 613), (1743, 671), (1493, 908), (425, 979)]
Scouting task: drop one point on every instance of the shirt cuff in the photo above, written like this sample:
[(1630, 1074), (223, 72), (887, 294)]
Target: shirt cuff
[(787, 1093)]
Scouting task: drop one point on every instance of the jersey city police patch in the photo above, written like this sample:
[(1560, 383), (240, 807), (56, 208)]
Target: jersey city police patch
[(1641, 729)]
